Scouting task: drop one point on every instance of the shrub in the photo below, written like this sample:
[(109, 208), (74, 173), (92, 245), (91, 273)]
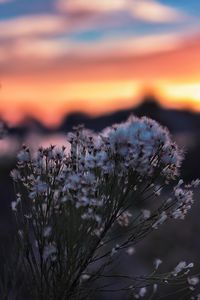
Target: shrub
[(71, 203)]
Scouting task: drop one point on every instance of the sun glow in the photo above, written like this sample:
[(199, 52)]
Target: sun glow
[(180, 95), (51, 101)]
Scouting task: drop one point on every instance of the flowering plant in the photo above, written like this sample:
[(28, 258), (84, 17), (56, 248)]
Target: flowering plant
[(71, 203)]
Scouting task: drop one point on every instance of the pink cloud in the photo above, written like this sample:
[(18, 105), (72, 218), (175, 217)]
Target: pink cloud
[(153, 11), (145, 10), (126, 47), (35, 50), (180, 60), (94, 6), (32, 25)]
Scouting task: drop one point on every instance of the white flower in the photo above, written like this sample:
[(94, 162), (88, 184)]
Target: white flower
[(47, 231), (114, 250), (23, 156), (85, 277), (145, 145), (21, 234), (38, 188), (181, 266), (28, 216), (49, 251), (184, 200), (155, 288), (130, 251), (15, 174), (161, 220), (44, 208), (14, 204), (193, 280), (142, 292), (157, 263), (146, 214), (195, 183), (124, 218)]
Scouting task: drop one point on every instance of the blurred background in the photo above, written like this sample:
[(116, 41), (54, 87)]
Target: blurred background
[(66, 62)]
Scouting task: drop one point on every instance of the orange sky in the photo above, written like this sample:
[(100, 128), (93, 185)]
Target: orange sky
[(51, 65), (99, 86)]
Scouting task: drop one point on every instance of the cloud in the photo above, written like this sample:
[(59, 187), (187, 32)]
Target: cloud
[(144, 10), (36, 50), (66, 63), (73, 6), (153, 11), (58, 86), (32, 25), (5, 1), (126, 47)]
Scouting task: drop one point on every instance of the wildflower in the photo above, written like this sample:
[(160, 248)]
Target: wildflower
[(194, 280), (47, 231), (130, 251), (161, 220), (115, 250), (28, 216), (20, 234), (146, 214), (23, 155), (184, 199), (195, 183), (15, 174), (44, 208), (124, 218), (142, 292), (76, 198), (14, 204), (155, 287), (145, 145), (85, 277), (181, 266), (38, 188), (157, 263), (49, 251)]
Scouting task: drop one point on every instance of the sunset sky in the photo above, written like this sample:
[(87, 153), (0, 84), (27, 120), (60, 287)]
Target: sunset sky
[(96, 56)]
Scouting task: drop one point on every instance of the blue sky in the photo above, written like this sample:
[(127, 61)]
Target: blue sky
[(19, 8)]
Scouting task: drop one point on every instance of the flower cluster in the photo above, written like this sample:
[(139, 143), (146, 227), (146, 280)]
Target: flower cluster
[(144, 146), (71, 198), (180, 276)]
